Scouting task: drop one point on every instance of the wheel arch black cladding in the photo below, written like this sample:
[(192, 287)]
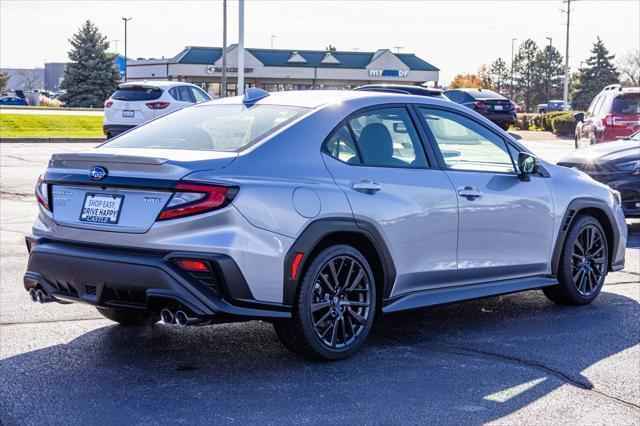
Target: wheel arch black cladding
[(592, 207), (322, 233)]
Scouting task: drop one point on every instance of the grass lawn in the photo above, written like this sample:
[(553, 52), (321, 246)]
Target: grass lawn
[(50, 126)]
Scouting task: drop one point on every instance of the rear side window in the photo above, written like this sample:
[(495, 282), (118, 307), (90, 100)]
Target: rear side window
[(384, 137), (209, 128), (136, 93), (627, 104), (342, 147)]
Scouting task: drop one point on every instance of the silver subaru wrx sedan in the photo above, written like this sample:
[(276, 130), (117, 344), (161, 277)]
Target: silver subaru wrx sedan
[(316, 211)]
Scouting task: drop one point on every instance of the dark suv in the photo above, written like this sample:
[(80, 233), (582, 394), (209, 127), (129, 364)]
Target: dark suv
[(614, 114), (492, 105)]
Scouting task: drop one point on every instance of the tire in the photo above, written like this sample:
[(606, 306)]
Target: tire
[(581, 274), (127, 317), (576, 143), (343, 308)]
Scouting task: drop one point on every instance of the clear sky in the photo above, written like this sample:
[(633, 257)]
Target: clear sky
[(455, 36)]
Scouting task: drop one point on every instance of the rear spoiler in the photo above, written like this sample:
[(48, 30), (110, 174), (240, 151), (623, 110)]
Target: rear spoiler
[(110, 158)]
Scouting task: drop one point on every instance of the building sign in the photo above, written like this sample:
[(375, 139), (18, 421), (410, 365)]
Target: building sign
[(212, 68), (388, 73)]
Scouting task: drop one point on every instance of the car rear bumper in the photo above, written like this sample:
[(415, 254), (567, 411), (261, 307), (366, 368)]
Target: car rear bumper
[(137, 280), (503, 117), (112, 130)]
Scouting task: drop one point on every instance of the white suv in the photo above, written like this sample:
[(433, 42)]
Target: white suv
[(135, 103)]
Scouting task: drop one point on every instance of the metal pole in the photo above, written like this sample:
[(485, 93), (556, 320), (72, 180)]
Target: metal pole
[(241, 48), (565, 92), (125, 47), (549, 72), (512, 41), (223, 84)]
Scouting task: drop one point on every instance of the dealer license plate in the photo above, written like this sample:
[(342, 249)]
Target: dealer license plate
[(101, 208)]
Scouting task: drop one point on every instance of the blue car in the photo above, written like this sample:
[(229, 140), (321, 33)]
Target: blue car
[(13, 100)]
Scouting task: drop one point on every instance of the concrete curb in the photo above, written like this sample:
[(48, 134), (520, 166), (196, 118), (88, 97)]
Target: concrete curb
[(52, 140)]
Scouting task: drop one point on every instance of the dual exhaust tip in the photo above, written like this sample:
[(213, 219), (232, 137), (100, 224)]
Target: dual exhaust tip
[(39, 296), (178, 318)]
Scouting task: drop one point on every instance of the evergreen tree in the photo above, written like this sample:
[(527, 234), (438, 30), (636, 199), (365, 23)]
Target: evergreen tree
[(92, 76), (550, 73), (599, 72), (500, 73), (527, 73)]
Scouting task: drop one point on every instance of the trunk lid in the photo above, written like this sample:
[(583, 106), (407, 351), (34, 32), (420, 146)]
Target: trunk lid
[(136, 187)]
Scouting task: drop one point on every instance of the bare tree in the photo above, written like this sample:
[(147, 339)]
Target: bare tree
[(4, 78), (31, 79), (629, 67)]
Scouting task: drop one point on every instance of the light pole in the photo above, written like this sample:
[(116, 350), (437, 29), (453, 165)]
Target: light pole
[(223, 83), (565, 92), (240, 91), (513, 40), (549, 71), (125, 47), (272, 38)]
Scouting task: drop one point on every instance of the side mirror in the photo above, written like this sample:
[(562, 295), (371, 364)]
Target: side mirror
[(528, 165), (578, 116)]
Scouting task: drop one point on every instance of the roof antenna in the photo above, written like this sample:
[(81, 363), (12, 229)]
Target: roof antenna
[(253, 94)]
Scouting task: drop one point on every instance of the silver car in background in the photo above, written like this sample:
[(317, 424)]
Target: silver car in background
[(316, 211)]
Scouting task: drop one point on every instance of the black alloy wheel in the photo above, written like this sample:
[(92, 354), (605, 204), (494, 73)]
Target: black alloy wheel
[(340, 302)]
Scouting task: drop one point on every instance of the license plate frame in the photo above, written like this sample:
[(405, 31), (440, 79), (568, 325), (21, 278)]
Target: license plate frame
[(110, 219), (127, 113)]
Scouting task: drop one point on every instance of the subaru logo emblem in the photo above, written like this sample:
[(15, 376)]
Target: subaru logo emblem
[(97, 173)]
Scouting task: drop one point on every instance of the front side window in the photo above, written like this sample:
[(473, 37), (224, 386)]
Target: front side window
[(199, 95), (209, 127), (386, 137), (467, 145)]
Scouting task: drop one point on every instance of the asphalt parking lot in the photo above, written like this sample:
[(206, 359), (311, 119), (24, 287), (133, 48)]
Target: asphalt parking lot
[(510, 359)]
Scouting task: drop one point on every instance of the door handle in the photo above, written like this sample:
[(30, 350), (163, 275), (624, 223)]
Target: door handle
[(367, 186), (469, 192)]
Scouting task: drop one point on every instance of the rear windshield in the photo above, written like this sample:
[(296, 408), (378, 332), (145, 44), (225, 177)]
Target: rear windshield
[(209, 128), (626, 104), (136, 93), (485, 94)]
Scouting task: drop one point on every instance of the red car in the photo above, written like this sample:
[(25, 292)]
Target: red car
[(614, 114)]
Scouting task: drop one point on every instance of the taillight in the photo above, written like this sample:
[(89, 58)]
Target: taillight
[(612, 120), (480, 105), (193, 265), (108, 103), (157, 105), (42, 193), (191, 198)]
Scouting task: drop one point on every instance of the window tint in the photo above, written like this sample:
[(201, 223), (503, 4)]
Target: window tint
[(185, 94), (467, 145), (136, 93), (342, 147), (452, 95), (209, 127), (199, 95), (595, 105), (387, 138), (628, 104)]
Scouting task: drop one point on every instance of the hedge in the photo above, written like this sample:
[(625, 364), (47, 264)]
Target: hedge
[(561, 123)]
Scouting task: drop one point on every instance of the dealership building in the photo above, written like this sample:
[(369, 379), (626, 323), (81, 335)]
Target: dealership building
[(278, 70)]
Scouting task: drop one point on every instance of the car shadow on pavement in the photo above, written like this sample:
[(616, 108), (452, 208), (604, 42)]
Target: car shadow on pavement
[(469, 363)]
